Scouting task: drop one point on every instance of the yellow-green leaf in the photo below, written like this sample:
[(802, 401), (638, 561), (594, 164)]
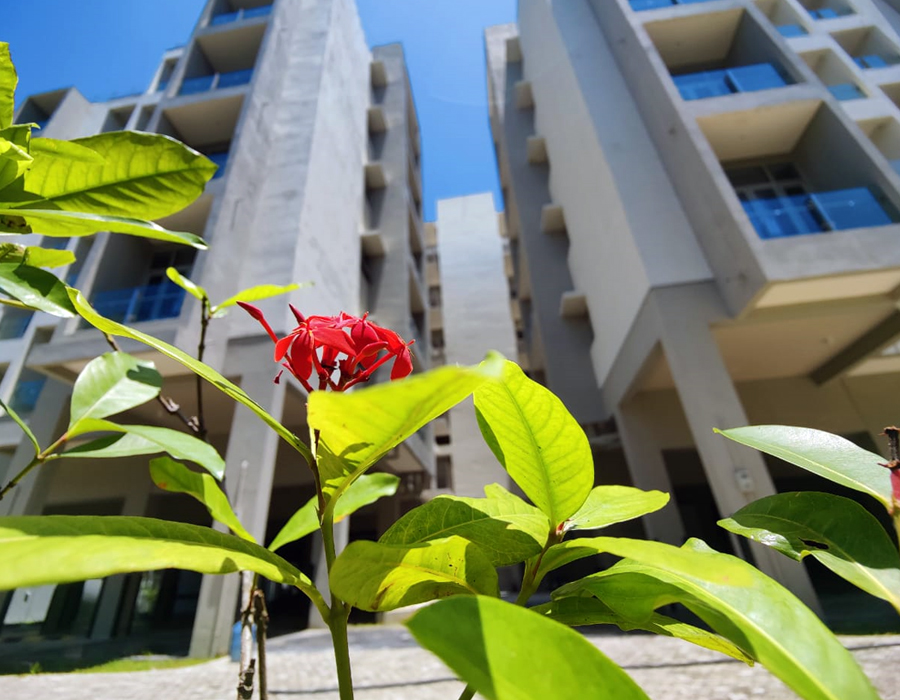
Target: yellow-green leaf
[(607, 505)]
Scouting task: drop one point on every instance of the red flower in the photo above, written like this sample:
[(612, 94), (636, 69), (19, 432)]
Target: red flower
[(319, 342)]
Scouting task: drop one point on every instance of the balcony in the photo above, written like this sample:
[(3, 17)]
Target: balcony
[(835, 73), (869, 47), (698, 86), (838, 210), (248, 13), (846, 91), (639, 5), (827, 9), (216, 81), (150, 302)]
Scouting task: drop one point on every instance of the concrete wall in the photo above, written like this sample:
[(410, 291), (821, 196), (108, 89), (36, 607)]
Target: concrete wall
[(476, 317)]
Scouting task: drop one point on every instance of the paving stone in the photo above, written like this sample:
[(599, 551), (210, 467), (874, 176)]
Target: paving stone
[(388, 665)]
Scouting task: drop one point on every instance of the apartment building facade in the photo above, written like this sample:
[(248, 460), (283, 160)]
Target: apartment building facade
[(319, 180), (702, 203)]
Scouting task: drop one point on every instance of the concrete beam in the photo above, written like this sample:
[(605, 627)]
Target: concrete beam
[(859, 350)]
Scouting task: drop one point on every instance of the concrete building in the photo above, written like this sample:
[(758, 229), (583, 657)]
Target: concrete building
[(318, 147), (702, 204)]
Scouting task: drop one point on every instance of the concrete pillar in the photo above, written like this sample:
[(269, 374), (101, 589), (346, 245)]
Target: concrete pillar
[(250, 470), (28, 496), (648, 471), (108, 607), (737, 475), (341, 538)]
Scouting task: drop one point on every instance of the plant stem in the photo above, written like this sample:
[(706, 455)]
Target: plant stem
[(468, 693), (245, 676), (338, 624), (39, 459), (262, 626), (201, 348)]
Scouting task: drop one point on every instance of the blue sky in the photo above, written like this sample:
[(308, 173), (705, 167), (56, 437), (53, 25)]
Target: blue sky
[(109, 48)]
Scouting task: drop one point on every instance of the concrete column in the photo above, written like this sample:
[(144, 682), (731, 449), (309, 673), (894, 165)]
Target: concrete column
[(108, 608), (250, 470), (341, 538), (737, 475), (648, 471), (28, 496)]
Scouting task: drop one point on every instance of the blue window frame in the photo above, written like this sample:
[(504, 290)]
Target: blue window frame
[(238, 77), (791, 30), (853, 208), (149, 302), (192, 86), (846, 91), (639, 5), (220, 158)]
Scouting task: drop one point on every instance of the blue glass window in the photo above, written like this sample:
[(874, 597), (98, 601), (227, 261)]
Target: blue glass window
[(14, 324), (846, 91), (650, 4), (257, 11), (221, 159), (824, 13), (147, 303), (778, 217), (791, 30), (225, 18), (26, 394), (853, 208), (697, 86), (238, 77), (191, 86)]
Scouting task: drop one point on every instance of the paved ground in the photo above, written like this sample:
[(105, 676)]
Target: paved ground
[(389, 666)]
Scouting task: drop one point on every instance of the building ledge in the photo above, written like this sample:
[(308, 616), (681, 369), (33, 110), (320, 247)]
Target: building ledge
[(537, 150), (377, 119), (378, 74), (372, 244), (376, 178), (513, 50), (553, 220), (573, 304), (524, 95)]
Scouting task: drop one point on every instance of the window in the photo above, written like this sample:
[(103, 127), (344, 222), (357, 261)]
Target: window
[(444, 466), (697, 86)]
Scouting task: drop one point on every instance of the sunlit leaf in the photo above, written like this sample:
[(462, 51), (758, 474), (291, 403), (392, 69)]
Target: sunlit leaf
[(66, 224), (507, 652), (195, 290), (506, 531), (581, 611), (39, 550), (607, 505), (364, 491), (737, 601), (173, 476), (141, 175), (262, 291), (14, 162), (208, 373), (359, 428), (822, 453), (66, 151), (537, 441), (837, 531), (380, 577), (8, 80), (37, 288), (110, 384), (144, 440)]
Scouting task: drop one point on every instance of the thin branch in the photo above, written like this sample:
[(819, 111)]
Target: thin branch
[(262, 625), (248, 664), (201, 348), (16, 304), (167, 402)]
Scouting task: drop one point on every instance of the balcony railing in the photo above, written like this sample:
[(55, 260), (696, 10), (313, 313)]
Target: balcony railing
[(846, 91), (14, 325), (150, 302), (220, 158), (874, 60), (25, 395), (654, 4), (713, 83), (249, 13), (778, 217), (216, 81)]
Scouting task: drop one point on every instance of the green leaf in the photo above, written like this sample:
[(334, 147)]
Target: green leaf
[(14, 162), (66, 151), (141, 175), (262, 291), (607, 505), (506, 531), (822, 453), (8, 80), (194, 290), (43, 549), (537, 441), (110, 384), (37, 288), (359, 428), (580, 611), (737, 601), (65, 224), (24, 426), (837, 531), (507, 652), (380, 577), (145, 440), (44, 257), (173, 476), (365, 490), (208, 373)]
